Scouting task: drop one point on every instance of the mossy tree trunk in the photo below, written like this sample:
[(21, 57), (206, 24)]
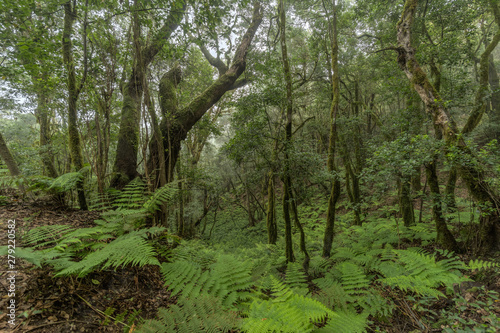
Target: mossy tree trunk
[(494, 82), (43, 117), (405, 201), (9, 160), (471, 172), (335, 189), (287, 180), (272, 227), (444, 236), (74, 92), (125, 167)]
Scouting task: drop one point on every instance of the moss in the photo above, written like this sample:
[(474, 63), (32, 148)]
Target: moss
[(410, 5)]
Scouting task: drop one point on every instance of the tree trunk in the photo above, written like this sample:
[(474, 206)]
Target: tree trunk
[(287, 181), (444, 236), (9, 160), (471, 173), (125, 167), (272, 227), (495, 99), (405, 201), (335, 190), (42, 115), (73, 95)]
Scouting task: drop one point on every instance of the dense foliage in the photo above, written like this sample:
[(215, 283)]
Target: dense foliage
[(285, 166)]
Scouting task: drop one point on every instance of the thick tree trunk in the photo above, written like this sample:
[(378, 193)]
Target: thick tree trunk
[(125, 167), (471, 173), (335, 190), (73, 95), (42, 114), (9, 160)]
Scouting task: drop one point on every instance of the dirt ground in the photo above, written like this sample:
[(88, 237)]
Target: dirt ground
[(45, 304)]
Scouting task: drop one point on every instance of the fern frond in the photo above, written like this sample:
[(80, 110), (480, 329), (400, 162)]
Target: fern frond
[(66, 182), (47, 234), (127, 249), (296, 278), (286, 312), (162, 195), (345, 322), (132, 196), (480, 264), (201, 314), (34, 257)]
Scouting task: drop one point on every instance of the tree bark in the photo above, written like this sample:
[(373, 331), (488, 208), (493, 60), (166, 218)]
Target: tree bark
[(335, 189), (73, 95), (272, 227), (287, 181), (9, 160), (42, 115), (444, 236)]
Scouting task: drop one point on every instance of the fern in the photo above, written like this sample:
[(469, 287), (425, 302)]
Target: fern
[(421, 273), (228, 285), (201, 314), (66, 182), (163, 194), (45, 235), (289, 312), (345, 322), (133, 195), (34, 257), (480, 264), (130, 248), (296, 278)]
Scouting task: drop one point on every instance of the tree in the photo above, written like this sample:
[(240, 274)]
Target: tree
[(471, 173), (335, 187), (125, 166), (176, 123), (74, 91)]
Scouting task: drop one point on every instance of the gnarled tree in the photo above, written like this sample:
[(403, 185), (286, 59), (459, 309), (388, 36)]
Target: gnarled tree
[(125, 167), (177, 122), (471, 173)]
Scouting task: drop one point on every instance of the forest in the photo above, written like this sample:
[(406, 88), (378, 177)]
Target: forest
[(250, 166)]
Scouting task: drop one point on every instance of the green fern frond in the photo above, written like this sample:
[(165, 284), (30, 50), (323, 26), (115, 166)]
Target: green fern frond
[(201, 314), (226, 279), (133, 195), (66, 182), (353, 280), (47, 234), (419, 272), (127, 249), (34, 257), (286, 312), (162, 195), (296, 278), (480, 264), (345, 322)]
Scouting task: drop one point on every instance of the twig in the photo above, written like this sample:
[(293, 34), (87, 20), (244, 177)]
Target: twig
[(101, 312), (58, 322)]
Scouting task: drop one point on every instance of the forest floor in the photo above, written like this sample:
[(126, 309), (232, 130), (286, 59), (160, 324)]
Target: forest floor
[(45, 304)]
